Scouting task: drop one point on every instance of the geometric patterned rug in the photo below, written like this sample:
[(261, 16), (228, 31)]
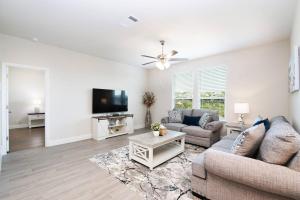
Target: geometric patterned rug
[(170, 180)]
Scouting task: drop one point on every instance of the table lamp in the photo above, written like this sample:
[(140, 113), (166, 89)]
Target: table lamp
[(241, 109), (37, 103)]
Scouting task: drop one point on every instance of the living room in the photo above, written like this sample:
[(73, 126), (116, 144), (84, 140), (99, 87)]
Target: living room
[(239, 58)]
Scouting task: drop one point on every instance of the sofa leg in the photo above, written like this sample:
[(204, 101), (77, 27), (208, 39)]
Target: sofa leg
[(199, 196)]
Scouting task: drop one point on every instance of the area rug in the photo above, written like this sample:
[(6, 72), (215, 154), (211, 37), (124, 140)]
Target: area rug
[(170, 180)]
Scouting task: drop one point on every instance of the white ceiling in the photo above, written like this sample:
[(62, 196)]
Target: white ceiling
[(196, 28)]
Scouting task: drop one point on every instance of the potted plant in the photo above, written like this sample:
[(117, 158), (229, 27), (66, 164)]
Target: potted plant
[(155, 128), (148, 100)]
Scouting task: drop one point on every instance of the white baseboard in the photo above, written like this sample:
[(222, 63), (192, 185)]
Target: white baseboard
[(14, 126), (68, 140), (139, 126)]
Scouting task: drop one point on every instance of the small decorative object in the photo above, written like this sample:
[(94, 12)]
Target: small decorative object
[(148, 100), (241, 109), (155, 128), (162, 130), (294, 71)]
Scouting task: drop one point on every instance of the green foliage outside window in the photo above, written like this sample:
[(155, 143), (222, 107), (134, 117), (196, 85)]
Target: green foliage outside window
[(208, 100)]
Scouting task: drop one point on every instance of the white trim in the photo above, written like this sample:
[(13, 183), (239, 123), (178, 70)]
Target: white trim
[(69, 140), (15, 126), (4, 101)]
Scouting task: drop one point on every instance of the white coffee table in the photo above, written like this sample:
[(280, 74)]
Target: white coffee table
[(152, 151)]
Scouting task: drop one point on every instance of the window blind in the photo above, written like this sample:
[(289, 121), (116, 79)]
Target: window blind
[(212, 79), (183, 85)]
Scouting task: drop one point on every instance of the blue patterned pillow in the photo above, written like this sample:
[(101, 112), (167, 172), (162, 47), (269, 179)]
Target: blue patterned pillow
[(175, 116), (205, 119)]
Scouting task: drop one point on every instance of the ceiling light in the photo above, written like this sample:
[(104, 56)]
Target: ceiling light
[(162, 65)]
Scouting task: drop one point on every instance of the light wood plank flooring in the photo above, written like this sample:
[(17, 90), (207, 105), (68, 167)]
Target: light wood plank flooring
[(62, 172), (26, 138)]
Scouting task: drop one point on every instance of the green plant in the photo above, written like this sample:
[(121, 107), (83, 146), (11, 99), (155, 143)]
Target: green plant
[(155, 126), (148, 99)]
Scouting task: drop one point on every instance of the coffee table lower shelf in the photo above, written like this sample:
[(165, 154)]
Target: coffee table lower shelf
[(152, 157)]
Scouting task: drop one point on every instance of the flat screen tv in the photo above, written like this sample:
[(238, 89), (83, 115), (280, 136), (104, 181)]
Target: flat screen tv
[(109, 101)]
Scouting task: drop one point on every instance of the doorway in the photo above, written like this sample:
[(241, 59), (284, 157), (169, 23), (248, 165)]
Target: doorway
[(24, 100)]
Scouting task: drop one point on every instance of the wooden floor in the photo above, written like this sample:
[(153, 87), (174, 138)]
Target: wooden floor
[(62, 172), (26, 138)]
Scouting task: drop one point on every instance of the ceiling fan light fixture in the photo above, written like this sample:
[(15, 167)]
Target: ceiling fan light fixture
[(162, 65)]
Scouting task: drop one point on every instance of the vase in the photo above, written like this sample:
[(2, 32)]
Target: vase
[(148, 120), (155, 133)]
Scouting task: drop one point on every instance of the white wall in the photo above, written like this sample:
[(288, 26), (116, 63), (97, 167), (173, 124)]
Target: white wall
[(71, 78), (25, 87), (256, 75), (295, 97)]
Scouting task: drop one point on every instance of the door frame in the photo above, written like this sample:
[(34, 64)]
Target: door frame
[(5, 101)]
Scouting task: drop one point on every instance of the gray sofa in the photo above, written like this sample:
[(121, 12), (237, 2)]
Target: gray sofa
[(195, 134), (218, 174)]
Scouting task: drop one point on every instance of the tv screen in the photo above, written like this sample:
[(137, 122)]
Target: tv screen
[(107, 101)]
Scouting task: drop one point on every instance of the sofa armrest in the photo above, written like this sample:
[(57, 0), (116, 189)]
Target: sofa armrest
[(254, 173), (214, 126), (164, 120)]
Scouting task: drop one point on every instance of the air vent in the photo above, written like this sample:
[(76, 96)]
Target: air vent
[(133, 19)]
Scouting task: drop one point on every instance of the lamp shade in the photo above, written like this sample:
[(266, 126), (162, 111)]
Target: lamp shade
[(241, 108)]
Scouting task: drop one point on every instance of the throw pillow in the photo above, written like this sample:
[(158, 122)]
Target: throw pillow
[(191, 121), (280, 144), (266, 123), (205, 119), (247, 143), (175, 116), (295, 162)]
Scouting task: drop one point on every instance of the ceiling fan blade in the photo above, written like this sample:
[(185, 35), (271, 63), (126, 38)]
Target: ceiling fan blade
[(149, 63), (178, 59), (174, 52), (149, 56)]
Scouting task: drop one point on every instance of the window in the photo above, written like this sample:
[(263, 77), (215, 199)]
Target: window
[(204, 90), (183, 90), (211, 89)]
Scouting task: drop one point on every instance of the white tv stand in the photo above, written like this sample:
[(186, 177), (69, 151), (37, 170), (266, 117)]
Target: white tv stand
[(111, 126)]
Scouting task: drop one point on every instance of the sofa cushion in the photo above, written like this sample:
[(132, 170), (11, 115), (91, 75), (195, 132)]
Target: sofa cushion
[(175, 126), (225, 144), (175, 116), (197, 131), (200, 112), (278, 119), (295, 162), (231, 136), (186, 112), (247, 143), (198, 166), (220, 148), (191, 121), (205, 119), (280, 143)]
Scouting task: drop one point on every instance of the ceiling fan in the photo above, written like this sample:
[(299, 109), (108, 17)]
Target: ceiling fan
[(162, 61)]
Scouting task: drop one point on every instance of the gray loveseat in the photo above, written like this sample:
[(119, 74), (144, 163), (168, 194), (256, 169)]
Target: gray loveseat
[(220, 175), (195, 134)]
